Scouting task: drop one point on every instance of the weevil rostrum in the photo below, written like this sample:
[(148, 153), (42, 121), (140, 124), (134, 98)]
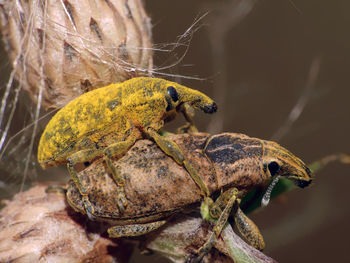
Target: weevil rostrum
[(109, 120), (156, 188)]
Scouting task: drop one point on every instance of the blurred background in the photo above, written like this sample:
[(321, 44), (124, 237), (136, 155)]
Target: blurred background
[(259, 59), (278, 70)]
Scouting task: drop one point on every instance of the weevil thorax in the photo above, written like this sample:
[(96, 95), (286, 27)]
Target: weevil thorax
[(237, 159), (144, 102), (278, 161)]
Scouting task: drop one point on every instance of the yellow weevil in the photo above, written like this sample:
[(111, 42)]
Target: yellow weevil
[(109, 120)]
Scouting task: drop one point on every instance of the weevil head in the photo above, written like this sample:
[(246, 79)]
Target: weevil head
[(176, 94), (278, 161), (150, 101)]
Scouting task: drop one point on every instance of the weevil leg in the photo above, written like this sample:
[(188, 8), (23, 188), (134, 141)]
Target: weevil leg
[(228, 200), (81, 157), (56, 189), (245, 226), (134, 230), (173, 150), (249, 230), (116, 150), (188, 113)]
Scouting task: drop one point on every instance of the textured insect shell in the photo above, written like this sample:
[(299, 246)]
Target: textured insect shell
[(81, 123), (238, 160), (290, 165), (101, 117), (156, 186)]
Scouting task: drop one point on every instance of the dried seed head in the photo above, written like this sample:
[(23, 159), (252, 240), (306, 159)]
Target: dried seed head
[(70, 46), (37, 227)]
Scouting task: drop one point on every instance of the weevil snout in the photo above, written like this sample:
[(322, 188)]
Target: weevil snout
[(280, 162), (298, 173), (303, 183), (196, 99), (304, 180), (204, 104), (176, 95), (210, 108)]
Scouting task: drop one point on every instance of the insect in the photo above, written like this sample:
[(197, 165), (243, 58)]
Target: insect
[(229, 164), (109, 120)]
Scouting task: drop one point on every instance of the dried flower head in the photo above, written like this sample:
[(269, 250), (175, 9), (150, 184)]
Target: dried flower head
[(69, 47)]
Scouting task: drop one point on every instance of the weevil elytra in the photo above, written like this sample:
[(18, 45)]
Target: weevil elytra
[(107, 122), (229, 164)]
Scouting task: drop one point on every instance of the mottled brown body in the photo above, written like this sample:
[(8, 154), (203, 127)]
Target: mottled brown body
[(156, 187), (228, 164)]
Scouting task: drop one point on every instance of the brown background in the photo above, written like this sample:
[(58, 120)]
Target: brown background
[(263, 61), (267, 58)]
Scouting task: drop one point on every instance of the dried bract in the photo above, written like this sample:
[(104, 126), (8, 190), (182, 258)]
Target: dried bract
[(38, 227), (73, 46)]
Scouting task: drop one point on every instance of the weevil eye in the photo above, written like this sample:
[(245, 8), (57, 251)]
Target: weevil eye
[(273, 168), (173, 93)]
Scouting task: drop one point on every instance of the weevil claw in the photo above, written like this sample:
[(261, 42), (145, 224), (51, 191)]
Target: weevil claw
[(88, 209), (122, 202)]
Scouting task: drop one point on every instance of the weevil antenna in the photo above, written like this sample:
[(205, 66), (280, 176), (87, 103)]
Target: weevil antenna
[(266, 198)]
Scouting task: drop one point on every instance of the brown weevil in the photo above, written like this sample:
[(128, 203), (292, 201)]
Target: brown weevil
[(156, 188)]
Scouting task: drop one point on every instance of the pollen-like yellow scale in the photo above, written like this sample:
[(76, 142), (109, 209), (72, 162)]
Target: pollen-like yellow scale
[(107, 122)]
